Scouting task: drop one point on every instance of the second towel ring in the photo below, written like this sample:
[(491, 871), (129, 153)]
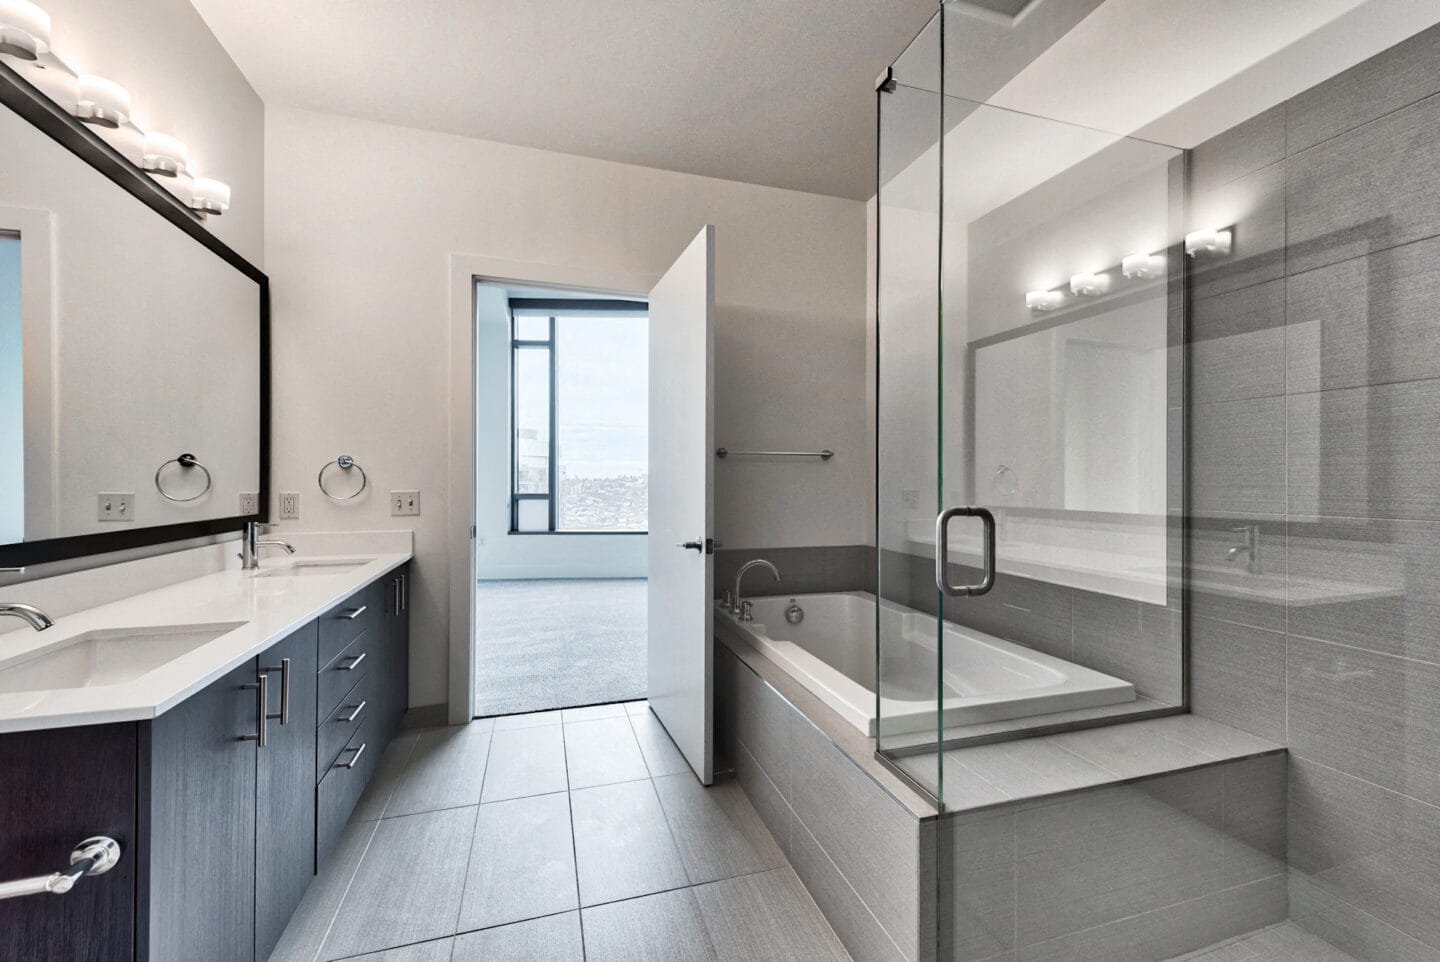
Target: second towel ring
[(185, 461), (344, 462)]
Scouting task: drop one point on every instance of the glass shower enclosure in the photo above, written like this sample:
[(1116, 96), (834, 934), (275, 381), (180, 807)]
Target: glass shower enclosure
[(1030, 430)]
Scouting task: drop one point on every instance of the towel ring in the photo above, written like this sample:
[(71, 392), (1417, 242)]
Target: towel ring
[(344, 462), (185, 461)]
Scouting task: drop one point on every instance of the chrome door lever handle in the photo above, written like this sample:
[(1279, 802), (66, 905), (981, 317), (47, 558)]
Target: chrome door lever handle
[(692, 546)]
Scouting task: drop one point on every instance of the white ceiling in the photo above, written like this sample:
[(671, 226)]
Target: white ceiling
[(782, 92)]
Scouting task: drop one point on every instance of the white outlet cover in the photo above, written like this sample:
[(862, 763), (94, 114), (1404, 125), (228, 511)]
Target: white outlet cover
[(249, 502), (289, 505)]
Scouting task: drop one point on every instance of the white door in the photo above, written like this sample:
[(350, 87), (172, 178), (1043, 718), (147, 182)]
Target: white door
[(682, 509)]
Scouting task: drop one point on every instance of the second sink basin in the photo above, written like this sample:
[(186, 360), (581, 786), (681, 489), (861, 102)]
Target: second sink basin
[(108, 657), (298, 568)]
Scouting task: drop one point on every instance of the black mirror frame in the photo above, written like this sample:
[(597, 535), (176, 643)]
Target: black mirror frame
[(43, 113)]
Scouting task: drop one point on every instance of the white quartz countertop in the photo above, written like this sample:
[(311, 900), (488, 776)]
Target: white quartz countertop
[(268, 607)]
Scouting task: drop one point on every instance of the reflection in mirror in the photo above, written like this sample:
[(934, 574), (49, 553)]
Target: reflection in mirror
[(125, 343)]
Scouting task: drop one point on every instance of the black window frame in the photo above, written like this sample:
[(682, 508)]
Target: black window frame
[(551, 345)]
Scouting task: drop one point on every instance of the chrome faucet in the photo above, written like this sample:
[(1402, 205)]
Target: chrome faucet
[(29, 614), (250, 546), (1250, 547), (739, 606)]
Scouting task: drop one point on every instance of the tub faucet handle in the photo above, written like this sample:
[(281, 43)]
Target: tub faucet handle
[(747, 611)]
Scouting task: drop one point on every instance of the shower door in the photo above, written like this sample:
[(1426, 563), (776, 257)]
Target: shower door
[(1030, 299)]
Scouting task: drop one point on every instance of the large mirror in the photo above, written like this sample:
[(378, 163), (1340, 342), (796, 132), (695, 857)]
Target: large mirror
[(132, 352)]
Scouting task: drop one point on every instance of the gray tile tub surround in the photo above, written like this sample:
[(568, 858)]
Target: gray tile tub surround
[(1142, 871), (803, 570)]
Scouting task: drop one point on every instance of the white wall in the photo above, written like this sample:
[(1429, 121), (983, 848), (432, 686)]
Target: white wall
[(183, 83), (361, 219), (498, 553)]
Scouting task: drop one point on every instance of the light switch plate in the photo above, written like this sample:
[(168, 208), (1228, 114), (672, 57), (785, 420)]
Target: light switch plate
[(115, 506), (289, 505), (249, 502), (404, 504)]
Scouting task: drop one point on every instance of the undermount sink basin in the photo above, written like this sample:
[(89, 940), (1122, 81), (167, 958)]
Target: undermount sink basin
[(109, 657), (298, 568)]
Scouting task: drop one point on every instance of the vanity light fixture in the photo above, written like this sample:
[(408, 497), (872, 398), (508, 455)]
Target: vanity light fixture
[(164, 155), (24, 29), (1139, 267), (1043, 300), (101, 102), (1089, 285), (1208, 241), (209, 196)]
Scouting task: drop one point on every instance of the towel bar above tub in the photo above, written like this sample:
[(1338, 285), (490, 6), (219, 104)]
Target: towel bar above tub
[(825, 455)]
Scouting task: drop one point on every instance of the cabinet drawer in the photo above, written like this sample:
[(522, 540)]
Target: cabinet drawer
[(345, 670), (343, 722), (340, 789), (359, 614)]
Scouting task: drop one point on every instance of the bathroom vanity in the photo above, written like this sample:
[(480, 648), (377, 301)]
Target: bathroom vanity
[(225, 772)]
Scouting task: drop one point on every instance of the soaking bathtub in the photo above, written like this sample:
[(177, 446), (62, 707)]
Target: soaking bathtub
[(832, 653)]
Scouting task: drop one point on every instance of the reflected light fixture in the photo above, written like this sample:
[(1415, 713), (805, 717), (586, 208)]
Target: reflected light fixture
[(1208, 241), (1139, 267), (101, 102), (1043, 300), (1089, 285), (210, 196), (163, 155), (24, 29)]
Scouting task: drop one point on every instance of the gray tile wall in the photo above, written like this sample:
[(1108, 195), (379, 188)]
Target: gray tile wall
[(1316, 415), (1147, 870), (854, 846)]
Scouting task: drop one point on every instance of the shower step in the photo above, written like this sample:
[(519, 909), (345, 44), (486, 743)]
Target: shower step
[(1286, 942)]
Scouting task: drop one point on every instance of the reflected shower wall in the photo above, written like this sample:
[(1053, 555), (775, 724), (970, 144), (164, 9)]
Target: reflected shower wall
[(1030, 316)]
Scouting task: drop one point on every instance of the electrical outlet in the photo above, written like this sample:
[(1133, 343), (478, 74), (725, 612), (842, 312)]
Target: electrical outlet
[(404, 503), (249, 502), (289, 505), (115, 507)]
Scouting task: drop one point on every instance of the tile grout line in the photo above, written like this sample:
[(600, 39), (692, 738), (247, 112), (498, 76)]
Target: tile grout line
[(474, 834), (574, 846)]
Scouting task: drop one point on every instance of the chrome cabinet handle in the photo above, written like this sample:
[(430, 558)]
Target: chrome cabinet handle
[(94, 856), (942, 552), (353, 613), (395, 592), (262, 684), (284, 713), (354, 758), (356, 713), (354, 664), (404, 592)]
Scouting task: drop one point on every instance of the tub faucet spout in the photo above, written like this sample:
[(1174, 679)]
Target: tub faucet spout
[(739, 575)]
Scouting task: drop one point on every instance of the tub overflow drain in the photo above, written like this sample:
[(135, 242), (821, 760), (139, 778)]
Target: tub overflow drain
[(794, 614)]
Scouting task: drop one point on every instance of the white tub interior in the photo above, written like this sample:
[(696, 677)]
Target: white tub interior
[(831, 651)]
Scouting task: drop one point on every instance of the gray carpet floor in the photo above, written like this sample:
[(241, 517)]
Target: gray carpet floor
[(557, 644)]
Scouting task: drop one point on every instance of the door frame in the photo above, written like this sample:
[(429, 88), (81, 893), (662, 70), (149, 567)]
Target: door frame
[(465, 271)]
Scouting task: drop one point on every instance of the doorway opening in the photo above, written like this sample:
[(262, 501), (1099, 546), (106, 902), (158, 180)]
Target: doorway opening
[(561, 498)]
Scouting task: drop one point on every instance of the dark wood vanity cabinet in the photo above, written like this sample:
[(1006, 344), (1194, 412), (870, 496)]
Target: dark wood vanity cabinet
[(220, 833)]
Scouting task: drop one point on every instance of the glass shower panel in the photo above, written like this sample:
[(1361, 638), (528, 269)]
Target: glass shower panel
[(907, 392), (1030, 304)]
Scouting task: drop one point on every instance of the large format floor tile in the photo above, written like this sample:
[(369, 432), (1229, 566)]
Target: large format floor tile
[(522, 863), (665, 927), (602, 751), (446, 769), (529, 761), (661, 755), (554, 938), (717, 830), (408, 887), (763, 917), (623, 846)]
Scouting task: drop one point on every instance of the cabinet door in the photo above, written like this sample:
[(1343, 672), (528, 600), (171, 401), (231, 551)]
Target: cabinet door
[(397, 677), (285, 787), (200, 879)]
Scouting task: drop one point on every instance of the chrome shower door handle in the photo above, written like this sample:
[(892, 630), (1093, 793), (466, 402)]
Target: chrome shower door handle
[(942, 552)]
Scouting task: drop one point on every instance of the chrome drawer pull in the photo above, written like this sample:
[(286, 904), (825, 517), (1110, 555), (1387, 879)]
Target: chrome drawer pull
[(356, 713), (262, 685), (356, 663), (353, 613), (284, 670), (355, 758), (94, 856)]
